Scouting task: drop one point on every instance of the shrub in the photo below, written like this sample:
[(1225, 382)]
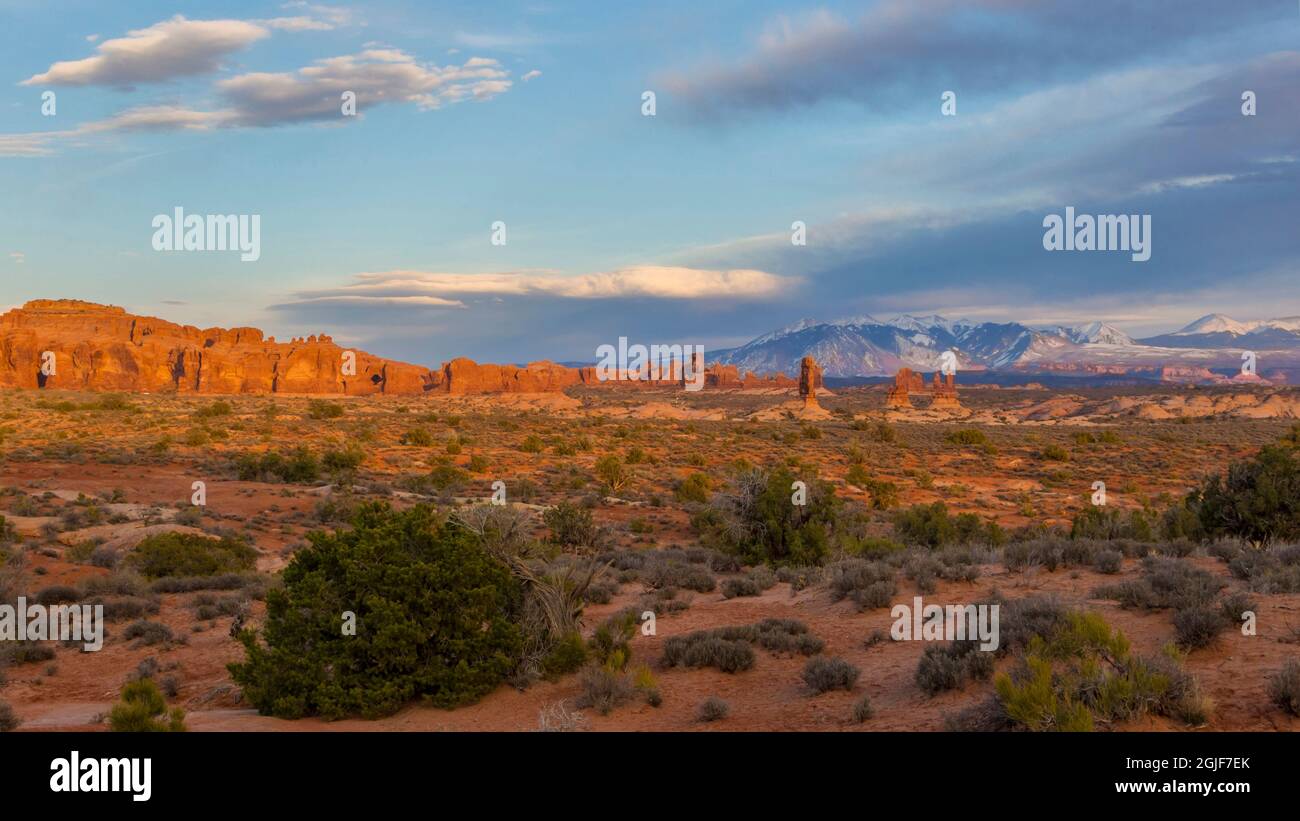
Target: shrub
[(862, 710), (610, 641), (571, 525), (188, 554), (1197, 626), (1284, 687), (602, 689), (436, 617), (57, 594), (931, 526), (1084, 672), (217, 408), (729, 656), (8, 721), (870, 585), (143, 710), (757, 522), (418, 438), (1256, 499), (296, 466), (567, 656), (743, 586), (1100, 522), (730, 649), (968, 436), (712, 709), (148, 632), (447, 478), (320, 409), (338, 461), (822, 674), (949, 666), (1109, 561), (1166, 583), (694, 488), (611, 471), (1055, 453)]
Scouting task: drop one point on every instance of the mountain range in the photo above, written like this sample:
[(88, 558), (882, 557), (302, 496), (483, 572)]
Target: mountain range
[(863, 346)]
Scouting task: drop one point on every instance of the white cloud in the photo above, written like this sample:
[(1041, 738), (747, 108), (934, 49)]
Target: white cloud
[(18, 257), (644, 281), (173, 48), (297, 24), (376, 76), (532, 75)]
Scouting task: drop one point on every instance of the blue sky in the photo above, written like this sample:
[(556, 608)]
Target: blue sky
[(672, 228)]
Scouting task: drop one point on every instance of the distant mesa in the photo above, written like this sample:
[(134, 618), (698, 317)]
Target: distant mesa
[(104, 348), (943, 390)]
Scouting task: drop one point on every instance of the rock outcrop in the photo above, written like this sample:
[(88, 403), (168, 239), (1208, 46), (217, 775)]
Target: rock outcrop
[(945, 391), (67, 343), (905, 383), (72, 344)]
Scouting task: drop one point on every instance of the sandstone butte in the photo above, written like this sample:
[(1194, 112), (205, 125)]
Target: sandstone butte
[(102, 347)]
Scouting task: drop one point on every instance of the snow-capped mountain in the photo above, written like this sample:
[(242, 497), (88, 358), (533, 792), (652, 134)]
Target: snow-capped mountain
[(1218, 331), (865, 346)]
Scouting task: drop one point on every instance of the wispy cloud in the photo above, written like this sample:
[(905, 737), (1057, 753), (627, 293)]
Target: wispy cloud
[(884, 57), (314, 93), (643, 281), (164, 51)]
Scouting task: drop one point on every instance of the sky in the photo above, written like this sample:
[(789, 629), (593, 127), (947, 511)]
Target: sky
[(378, 228)]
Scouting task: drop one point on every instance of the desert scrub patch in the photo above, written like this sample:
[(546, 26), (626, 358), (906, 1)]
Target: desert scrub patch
[(571, 525), (568, 655), (932, 526), (694, 488), (1165, 583), (1272, 570), (863, 710), (1084, 674), (868, 584), (1284, 687), (321, 409), (447, 627), (294, 466), (822, 674), (417, 438), (602, 689), (147, 633), (712, 709), (755, 520), (188, 554), (8, 720), (144, 710), (730, 649), (949, 666)]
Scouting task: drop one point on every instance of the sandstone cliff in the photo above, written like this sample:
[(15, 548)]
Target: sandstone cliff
[(102, 347)]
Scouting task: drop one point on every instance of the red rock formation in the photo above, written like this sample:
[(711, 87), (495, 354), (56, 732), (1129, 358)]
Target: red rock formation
[(465, 376), (945, 391), (102, 347), (810, 377), (905, 382)]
